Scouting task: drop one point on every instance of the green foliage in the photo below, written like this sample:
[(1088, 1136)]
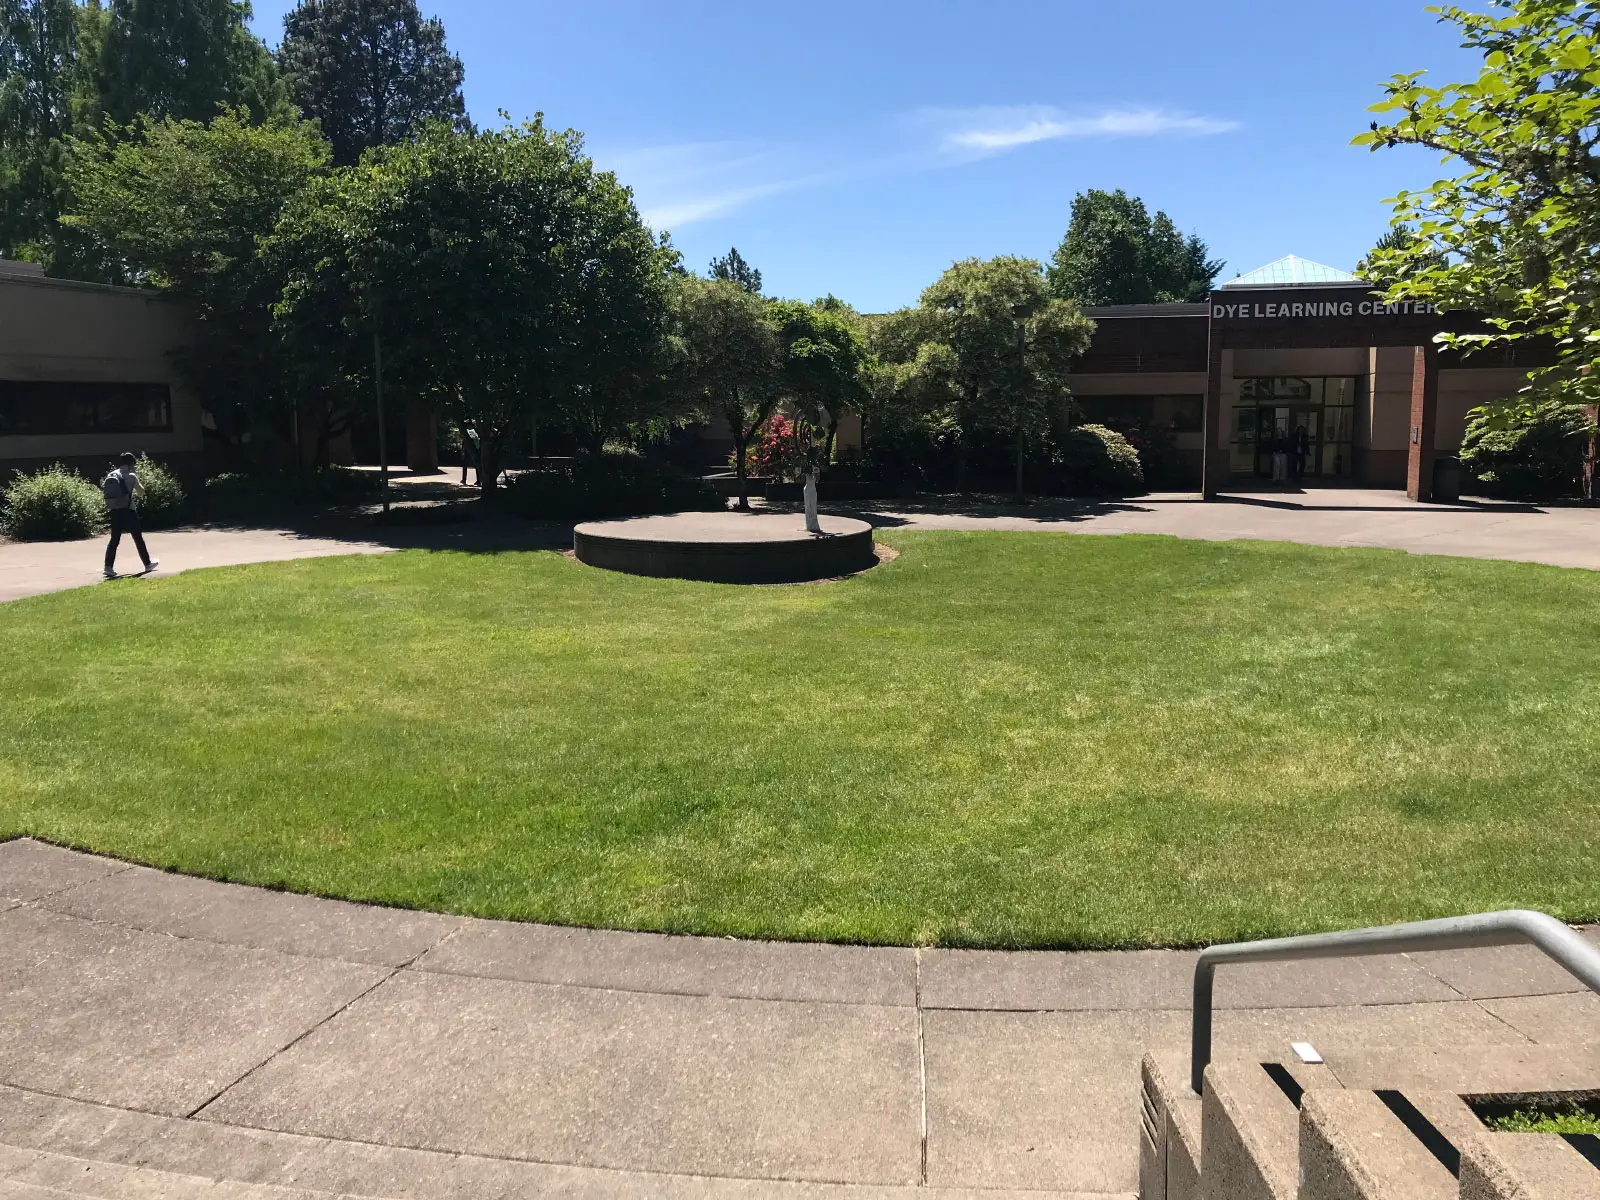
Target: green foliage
[(1395, 251), (1115, 252), (164, 497), (732, 360), (184, 59), (1091, 460), (1527, 451), (51, 505), (1005, 346), (1575, 1118), (1515, 235), (823, 372), (186, 206), (732, 268), (503, 272), (614, 486), (371, 72)]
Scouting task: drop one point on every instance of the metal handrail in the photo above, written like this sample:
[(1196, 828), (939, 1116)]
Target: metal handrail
[(1448, 933)]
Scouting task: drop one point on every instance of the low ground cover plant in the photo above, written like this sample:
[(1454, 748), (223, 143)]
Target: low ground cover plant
[(997, 739), (1570, 1118), (54, 504)]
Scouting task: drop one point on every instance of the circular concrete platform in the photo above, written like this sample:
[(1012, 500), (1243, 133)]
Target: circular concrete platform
[(727, 547)]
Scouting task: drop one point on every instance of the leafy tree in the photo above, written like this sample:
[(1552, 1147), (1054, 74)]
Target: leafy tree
[(824, 366), (371, 71), (732, 268), (912, 377), (1115, 252), (497, 267), (38, 46), (184, 207), (1515, 235), (184, 59), (1396, 241), (732, 361), (1010, 344)]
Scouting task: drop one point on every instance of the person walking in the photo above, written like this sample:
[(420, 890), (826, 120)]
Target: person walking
[(123, 491)]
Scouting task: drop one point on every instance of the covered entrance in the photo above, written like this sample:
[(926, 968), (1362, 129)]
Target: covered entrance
[(1310, 420)]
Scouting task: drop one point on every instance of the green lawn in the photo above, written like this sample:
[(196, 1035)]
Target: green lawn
[(997, 739)]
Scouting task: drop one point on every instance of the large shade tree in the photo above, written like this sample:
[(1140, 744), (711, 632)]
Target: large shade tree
[(1116, 252), (184, 207), (1009, 345), (732, 361), (495, 267), (38, 57), (184, 59), (1514, 233), (373, 72)]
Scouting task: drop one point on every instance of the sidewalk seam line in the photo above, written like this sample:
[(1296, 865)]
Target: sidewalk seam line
[(922, 1075), (293, 1042)]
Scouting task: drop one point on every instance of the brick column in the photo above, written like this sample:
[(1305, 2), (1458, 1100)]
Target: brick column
[(1213, 462), (1424, 422), (422, 437)]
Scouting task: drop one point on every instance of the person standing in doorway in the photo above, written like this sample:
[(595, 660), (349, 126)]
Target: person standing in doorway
[(1280, 456), (123, 491), (1302, 451)]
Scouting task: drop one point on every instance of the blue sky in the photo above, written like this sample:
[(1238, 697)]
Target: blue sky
[(860, 147)]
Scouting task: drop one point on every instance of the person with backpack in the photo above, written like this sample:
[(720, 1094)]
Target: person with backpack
[(123, 491)]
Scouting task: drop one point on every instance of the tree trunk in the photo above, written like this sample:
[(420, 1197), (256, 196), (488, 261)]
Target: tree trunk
[(1022, 442), (740, 446)]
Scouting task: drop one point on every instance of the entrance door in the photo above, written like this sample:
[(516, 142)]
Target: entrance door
[(1273, 426), (1309, 419)]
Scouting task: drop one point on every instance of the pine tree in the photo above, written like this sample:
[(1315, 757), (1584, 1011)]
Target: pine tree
[(732, 268), (371, 71), (1115, 252), (185, 59)]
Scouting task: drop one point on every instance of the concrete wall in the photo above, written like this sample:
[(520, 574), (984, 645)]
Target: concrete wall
[(1465, 389), (58, 330)]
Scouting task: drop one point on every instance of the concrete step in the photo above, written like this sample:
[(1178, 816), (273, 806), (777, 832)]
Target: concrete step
[(1353, 1146), (1530, 1166)]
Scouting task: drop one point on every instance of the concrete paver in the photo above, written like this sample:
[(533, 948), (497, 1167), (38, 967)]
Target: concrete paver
[(146, 1021), (369, 1052), (202, 908), (1161, 979), (685, 1084), (29, 869), (1501, 970), (644, 962)]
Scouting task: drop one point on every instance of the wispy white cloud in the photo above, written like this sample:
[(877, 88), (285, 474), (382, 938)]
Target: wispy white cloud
[(688, 182), (681, 184), (980, 132)]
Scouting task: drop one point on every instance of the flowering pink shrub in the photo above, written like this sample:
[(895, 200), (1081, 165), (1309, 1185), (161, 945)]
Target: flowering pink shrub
[(779, 452)]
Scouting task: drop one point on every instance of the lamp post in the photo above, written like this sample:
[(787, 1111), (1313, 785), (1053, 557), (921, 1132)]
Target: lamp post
[(377, 373)]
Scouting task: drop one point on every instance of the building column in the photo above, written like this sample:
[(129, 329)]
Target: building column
[(1214, 430), (422, 437), (1424, 422)]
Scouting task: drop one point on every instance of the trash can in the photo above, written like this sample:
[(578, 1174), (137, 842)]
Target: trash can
[(1447, 479)]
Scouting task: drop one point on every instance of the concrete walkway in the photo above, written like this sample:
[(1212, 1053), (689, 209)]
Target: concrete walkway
[(1559, 536), (162, 1032)]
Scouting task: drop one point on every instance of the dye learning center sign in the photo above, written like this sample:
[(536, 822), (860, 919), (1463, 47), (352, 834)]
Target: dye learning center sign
[(1254, 308)]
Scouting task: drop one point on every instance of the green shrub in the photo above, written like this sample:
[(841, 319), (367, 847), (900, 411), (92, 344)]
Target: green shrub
[(239, 496), (1092, 460), (590, 489), (163, 494), (1526, 452), (52, 505)]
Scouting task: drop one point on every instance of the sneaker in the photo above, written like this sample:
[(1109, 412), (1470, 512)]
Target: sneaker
[(110, 575), (152, 564)]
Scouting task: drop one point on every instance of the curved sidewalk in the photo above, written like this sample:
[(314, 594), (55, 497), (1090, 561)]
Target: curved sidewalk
[(162, 1028)]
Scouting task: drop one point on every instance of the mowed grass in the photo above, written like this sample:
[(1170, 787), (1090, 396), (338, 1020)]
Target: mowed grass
[(999, 739)]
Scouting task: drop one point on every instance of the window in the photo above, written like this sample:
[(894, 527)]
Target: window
[(32, 407), (1179, 414)]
